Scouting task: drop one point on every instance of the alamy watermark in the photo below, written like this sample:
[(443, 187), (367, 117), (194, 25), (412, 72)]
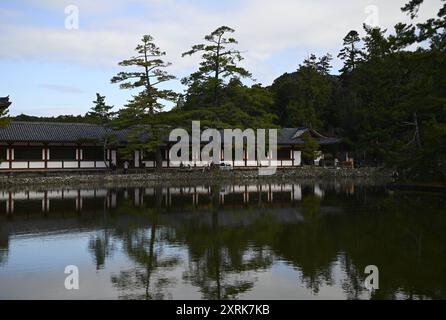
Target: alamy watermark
[(72, 17), (372, 19), (238, 147), (72, 280), (372, 280)]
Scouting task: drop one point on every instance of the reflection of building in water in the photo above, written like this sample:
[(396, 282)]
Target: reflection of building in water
[(45, 201), (318, 191), (182, 197), (234, 195)]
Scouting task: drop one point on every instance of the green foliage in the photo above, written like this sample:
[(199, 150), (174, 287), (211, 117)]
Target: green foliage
[(305, 98), (139, 116), (375, 43), (101, 112), (310, 149), (151, 72), (219, 60), (4, 105), (215, 94), (432, 30), (61, 118), (391, 107), (351, 54)]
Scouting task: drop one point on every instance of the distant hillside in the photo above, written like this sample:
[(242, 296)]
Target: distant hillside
[(63, 118)]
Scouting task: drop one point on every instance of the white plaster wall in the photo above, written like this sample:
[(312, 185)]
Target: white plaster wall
[(37, 165), (70, 164), (297, 158), (101, 164), (87, 164), (4, 165), (20, 165), (149, 164), (54, 164)]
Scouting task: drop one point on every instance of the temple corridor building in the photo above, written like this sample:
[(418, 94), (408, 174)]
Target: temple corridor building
[(50, 146)]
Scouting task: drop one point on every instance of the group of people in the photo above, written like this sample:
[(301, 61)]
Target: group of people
[(189, 167)]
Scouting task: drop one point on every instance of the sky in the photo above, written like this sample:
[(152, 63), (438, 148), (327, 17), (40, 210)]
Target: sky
[(56, 54)]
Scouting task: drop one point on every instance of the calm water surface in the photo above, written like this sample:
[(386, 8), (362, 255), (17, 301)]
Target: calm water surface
[(278, 241)]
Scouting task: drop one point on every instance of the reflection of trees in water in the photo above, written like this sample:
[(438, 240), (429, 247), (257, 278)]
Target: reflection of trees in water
[(353, 283), (221, 260), (145, 246), (102, 246), (4, 245), (148, 279), (3, 256), (399, 234), (309, 246), (403, 236)]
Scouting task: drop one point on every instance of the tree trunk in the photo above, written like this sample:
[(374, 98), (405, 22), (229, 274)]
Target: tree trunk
[(217, 72), (105, 154), (417, 130)]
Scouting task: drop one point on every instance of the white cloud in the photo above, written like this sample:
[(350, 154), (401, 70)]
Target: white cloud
[(264, 29)]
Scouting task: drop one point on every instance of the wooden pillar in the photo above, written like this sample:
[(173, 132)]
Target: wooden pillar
[(45, 155), (79, 156), (112, 156), (292, 154), (10, 155)]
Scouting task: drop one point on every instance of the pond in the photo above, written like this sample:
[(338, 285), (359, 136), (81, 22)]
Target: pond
[(254, 241)]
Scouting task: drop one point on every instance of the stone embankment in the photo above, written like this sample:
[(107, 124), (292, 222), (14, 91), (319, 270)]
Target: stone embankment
[(187, 177)]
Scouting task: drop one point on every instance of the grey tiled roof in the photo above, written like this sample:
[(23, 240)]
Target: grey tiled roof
[(293, 136), (21, 131)]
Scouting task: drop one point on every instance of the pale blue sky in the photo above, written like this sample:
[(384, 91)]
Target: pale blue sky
[(49, 70)]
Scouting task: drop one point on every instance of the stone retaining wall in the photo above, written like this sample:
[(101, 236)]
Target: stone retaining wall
[(185, 177)]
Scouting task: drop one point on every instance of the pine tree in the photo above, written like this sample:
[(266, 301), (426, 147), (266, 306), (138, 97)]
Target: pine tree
[(375, 42), (218, 61), (350, 54), (101, 112), (4, 105), (151, 73), (432, 30), (140, 117)]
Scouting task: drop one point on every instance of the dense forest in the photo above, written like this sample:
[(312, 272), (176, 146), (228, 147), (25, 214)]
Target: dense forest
[(388, 102)]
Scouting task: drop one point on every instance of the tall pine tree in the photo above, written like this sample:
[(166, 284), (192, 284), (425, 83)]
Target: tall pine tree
[(350, 53), (219, 60)]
